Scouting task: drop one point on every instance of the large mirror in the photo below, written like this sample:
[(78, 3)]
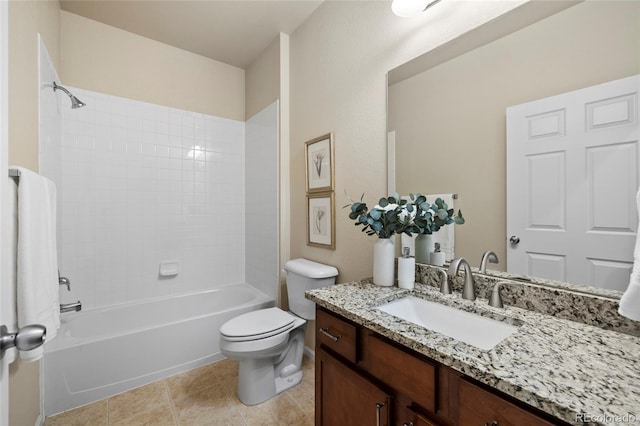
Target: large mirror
[(446, 109)]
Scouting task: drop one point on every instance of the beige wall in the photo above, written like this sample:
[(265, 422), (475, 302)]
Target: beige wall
[(262, 80), (105, 59), (339, 61), (26, 20), (459, 107)]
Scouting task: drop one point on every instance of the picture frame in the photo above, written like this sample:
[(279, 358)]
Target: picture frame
[(321, 230), (319, 159)]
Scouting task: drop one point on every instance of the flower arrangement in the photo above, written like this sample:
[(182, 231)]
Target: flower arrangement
[(394, 215)]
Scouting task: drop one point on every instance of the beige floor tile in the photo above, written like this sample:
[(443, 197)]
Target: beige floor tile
[(158, 416), (138, 401), (203, 405), (95, 414), (303, 399), (206, 396), (193, 380), (279, 410)]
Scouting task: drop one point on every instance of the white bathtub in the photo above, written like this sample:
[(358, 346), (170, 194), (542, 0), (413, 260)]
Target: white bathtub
[(102, 352)]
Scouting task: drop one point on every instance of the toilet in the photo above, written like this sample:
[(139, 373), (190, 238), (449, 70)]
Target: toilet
[(268, 343)]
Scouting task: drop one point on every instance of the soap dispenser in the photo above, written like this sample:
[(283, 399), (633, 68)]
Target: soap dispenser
[(406, 270), (436, 258)]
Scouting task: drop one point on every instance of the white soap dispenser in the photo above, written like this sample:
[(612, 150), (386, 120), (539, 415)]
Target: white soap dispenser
[(436, 258), (406, 270)]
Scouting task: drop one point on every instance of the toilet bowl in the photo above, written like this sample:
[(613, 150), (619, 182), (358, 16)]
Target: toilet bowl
[(269, 343)]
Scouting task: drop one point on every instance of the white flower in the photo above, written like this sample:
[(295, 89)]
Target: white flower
[(404, 213), (387, 208)]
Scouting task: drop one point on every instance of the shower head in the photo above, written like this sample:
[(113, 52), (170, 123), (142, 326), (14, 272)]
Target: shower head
[(75, 102)]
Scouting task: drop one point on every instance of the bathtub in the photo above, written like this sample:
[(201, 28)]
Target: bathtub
[(102, 352)]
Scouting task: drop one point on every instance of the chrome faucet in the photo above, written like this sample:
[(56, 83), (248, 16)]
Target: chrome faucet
[(469, 290), (70, 307), (64, 281), (495, 299), (487, 256), (445, 288)]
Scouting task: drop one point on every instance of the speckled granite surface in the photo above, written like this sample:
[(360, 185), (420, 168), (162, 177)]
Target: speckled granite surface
[(562, 300), (579, 373)]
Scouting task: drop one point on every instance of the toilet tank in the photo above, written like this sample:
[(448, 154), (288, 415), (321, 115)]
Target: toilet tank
[(303, 275)]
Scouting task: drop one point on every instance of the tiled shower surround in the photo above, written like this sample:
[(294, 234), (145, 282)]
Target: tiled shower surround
[(143, 184)]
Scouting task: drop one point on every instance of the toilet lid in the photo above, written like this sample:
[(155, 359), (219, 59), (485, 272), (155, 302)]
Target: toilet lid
[(257, 324)]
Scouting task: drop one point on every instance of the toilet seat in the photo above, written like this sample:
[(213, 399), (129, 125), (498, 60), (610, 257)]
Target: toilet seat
[(257, 325)]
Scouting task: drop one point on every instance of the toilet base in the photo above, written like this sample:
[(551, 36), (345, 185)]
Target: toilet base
[(261, 379)]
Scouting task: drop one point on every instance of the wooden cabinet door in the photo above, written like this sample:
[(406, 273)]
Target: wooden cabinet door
[(411, 417), (344, 397), (481, 407)]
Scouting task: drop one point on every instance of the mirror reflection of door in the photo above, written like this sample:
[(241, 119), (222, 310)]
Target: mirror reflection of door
[(573, 164)]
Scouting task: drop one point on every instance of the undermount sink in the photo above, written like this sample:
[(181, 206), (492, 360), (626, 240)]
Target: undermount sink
[(473, 329)]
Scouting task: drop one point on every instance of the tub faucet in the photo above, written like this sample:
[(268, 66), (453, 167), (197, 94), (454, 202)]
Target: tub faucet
[(487, 256), (70, 307), (469, 290), (65, 282)]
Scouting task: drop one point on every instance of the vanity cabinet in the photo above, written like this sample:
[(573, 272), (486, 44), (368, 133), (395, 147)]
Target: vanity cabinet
[(345, 397), (479, 406), (365, 379)]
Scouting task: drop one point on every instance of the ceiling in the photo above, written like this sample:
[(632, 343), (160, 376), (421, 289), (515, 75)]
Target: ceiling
[(231, 31)]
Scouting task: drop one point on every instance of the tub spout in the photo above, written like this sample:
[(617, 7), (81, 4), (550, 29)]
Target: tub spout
[(70, 307)]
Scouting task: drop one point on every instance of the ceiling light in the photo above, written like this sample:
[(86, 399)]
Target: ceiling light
[(410, 8)]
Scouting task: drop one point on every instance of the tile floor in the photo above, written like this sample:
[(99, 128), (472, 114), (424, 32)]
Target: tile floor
[(204, 396)]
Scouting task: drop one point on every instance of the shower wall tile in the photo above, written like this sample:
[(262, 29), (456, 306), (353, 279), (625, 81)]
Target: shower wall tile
[(142, 184)]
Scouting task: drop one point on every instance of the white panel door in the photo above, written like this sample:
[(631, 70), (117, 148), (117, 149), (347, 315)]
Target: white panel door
[(4, 282), (573, 170)]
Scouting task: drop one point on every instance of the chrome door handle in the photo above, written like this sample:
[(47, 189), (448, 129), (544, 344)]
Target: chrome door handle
[(514, 240), (27, 338), (325, 331)]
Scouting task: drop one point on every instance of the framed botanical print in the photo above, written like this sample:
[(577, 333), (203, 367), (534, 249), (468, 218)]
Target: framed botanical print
[(321, 231), (319, 157)]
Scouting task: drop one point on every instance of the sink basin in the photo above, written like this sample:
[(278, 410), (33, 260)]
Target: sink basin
[(475, 330)]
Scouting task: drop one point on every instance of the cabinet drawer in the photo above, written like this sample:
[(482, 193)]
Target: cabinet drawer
[(404, 372), (336, 334), (479, 407)]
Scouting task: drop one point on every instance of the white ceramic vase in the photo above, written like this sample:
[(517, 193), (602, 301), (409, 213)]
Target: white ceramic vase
[(383, 262), (425, 244)]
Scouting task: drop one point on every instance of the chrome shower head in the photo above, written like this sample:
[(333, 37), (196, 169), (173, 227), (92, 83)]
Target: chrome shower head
[(75, 102)]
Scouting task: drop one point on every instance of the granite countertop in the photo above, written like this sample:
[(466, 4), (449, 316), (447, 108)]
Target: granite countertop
[(576, 372)]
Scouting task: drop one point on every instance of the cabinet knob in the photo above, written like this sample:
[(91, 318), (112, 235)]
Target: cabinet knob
[(407, 424), (514, 240), (494, 423)]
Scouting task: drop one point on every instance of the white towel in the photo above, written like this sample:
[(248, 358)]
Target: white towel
[(37, 259), (446, 235), (630, 301)]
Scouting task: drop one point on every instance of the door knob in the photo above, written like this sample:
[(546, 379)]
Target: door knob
[(514, 240), (26, 339)]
